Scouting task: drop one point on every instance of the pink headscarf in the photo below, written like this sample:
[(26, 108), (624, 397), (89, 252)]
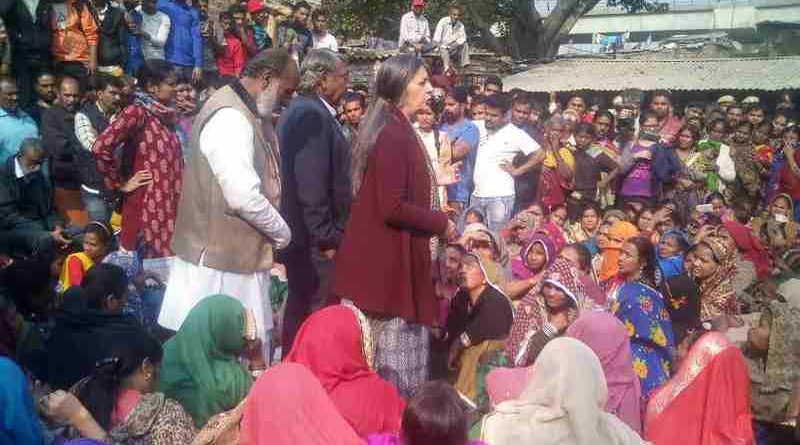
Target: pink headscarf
[(288, 406), (608, 338)]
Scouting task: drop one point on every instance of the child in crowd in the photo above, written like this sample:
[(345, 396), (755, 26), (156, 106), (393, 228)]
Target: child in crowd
[(97, 242)]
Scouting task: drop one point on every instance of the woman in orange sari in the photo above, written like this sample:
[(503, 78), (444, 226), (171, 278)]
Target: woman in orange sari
[(707, 402)]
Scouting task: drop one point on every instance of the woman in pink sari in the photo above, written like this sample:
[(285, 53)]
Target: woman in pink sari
[(707, 402), (608, 338)]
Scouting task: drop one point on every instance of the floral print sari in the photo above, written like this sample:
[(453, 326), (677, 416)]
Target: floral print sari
[(641, 309)]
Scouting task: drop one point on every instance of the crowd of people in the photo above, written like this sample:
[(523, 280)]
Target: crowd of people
[(241, 247)]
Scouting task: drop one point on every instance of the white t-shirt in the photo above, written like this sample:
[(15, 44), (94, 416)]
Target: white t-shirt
[(328, 41), (497, 148)]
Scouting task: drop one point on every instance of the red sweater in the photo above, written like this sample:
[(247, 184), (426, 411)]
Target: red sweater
[(231, 61)]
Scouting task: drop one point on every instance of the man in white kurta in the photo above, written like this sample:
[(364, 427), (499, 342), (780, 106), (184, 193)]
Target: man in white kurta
[(233, 148), (415, 34), (450, 37)]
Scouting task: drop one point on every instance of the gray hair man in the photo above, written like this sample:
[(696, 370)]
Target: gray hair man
[(228, 223), (315, 160)]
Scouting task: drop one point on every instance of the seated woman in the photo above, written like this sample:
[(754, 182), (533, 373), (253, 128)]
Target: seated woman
[(562, 403), (777, 229), (640, 307), (712, 375), (289, 406), (201, 368), (608, 338), (86, 327), (713, 268), (121, 396), (520, 228), (434, 415), (579, 256), (479, 322), (752, 260), (773, 360), (528, 268), (671, 251), (335, 345), (585, 228), (478, 239), (97, 239), (545, 314), (618, 233)]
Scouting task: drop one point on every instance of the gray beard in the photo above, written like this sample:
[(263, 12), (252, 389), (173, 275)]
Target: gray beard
[(266, 101)]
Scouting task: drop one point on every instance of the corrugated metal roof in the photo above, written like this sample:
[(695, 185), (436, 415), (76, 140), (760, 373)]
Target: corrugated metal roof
[(767, 74)]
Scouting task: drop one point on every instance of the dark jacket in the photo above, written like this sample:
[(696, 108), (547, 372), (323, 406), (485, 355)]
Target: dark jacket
[(384, 262), (112, 45), (26, 202), (489, 319), (80, 338), (58, 139), (315, 172), (666, 166), (87, 165), (29, 37)]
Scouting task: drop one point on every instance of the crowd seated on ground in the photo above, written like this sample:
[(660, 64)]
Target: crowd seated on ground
[(435, 264)]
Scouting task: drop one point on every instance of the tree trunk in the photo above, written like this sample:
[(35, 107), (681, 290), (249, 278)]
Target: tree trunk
[(539, 38), (488, 38)]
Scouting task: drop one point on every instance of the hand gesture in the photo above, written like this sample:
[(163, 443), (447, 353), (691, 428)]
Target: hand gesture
[(448, 173), (507, 167), (62, 407), (140, 179), (560, 320)]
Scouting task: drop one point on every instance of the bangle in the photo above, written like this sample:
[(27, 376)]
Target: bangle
[(256, 373)]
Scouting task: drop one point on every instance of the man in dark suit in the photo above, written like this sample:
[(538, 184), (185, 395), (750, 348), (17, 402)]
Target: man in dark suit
[(315, 164)]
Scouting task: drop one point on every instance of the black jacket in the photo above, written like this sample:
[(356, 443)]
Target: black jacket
[(61, 144), (315, 174), (26, 202), (87, 164), (112, 45), (29, 37)]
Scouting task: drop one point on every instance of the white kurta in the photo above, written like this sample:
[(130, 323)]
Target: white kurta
[(227, 143)]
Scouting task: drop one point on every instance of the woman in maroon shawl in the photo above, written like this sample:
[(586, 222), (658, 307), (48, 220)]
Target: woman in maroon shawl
[(396, 213)]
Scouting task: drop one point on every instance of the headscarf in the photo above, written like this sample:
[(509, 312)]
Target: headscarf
[(519, 266), (555, 233), (712, 376), (167, 115), (19, 423), (562, 403), (750, 246), (495, 268), (200, 368), (620, 230), (672, 266), (608, 338), (288, 406), (717, 296), (331, 345), (530, 314)]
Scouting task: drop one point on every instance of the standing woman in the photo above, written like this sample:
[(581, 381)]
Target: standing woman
[(152, 165), (641, 309), (396, 212)]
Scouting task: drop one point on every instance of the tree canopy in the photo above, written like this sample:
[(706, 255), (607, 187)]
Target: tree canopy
[(524, 33)]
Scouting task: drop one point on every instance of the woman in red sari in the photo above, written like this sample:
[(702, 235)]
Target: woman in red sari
[(707, 402), (152, 165)]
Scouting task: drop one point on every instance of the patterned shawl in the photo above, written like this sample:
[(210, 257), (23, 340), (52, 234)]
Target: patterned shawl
[(717, 296)]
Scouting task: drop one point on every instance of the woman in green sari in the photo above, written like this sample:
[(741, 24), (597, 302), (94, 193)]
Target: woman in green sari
[(201, 369)]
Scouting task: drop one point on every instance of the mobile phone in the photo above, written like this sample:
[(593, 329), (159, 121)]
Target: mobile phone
[(705, 208)]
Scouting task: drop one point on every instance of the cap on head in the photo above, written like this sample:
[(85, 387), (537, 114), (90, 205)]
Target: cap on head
[(726, 99), (255, 6), (417, 3)]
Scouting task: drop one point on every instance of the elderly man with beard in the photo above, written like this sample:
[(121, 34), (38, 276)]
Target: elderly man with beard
[(228, 223)]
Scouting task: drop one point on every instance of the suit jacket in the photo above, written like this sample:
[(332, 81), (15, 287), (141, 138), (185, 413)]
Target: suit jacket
[(29, 35), (315, 172), (61, 144)]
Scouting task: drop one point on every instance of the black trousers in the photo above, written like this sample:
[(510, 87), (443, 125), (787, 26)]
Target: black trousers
[(310, 276)]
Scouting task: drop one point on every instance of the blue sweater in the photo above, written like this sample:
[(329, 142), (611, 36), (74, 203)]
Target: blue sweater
[(184, 46)]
